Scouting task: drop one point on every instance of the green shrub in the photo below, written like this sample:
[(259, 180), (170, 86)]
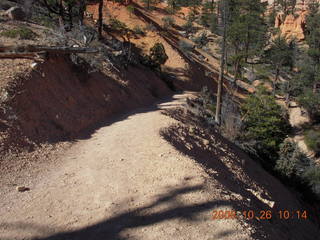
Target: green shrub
[(150, 27), (264, 125), (138, 30), (312, 139), (185, 46), (156, 58), (21, 32), (168, 22), (117, 25), (172, 7), (292, 162), (158, 54), (262, 72), (311, 102), (201, 40), (130, 9), (312, 176), (188, 27)]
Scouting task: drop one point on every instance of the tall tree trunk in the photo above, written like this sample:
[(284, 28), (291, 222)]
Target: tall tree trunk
[(247, 44), (70, 16), (276, 80), (226, 61), (222, 62), (100, 19), (82, 8), (61, 16)]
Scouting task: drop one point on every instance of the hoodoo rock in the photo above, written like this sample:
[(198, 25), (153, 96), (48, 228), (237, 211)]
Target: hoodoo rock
[(291, 26)]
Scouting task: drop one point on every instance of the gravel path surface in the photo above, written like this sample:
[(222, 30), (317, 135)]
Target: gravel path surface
[(122, 182)]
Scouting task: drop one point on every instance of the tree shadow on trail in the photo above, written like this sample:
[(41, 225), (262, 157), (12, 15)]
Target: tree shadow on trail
[(246, 184), (147, 215)]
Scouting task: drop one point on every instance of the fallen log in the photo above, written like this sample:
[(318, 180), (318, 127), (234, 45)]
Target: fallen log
[(27, 55), (54, 49)]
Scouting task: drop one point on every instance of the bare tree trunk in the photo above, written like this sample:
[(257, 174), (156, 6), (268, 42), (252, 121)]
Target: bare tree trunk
[(222, 62), (82, 8), (100, 19), (61, 15), (70, 16), (51, 49), (226, 61), (276, 80), (247, 45)]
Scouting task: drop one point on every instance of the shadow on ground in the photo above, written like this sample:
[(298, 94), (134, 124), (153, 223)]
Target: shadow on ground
[(113, 228), (243, 181)]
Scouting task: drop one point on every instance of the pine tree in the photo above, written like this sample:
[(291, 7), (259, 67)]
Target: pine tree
[(279, 55), (246, 32)]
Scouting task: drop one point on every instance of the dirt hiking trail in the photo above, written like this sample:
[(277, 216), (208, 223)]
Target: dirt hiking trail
[(148, 175), (124, 182)]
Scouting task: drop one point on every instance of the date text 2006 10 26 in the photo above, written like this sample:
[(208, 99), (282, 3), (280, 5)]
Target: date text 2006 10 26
[(260, 215)]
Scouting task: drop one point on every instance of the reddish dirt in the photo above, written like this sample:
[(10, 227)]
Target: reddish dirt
[(50, 106), (188, 71)]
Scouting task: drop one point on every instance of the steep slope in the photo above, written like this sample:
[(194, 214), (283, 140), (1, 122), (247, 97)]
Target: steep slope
[(50, 106)]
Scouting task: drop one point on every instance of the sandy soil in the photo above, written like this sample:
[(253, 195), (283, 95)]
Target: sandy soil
[(123, 182)]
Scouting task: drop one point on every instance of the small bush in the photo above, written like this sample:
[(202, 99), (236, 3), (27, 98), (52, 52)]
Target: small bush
[(312, 139), (312, 176), (151, 28), (188, 27), (117, 25), (130, 9), (138, 30), (156, 58), (311, 102), (201, 40), (185, 46), (168, 22), (21, 32), (292, 162), (158, 54)]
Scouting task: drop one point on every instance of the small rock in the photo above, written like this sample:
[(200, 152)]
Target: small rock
[(16, 13), (22, 189), (117, 53), (34, 65), (206, 142)]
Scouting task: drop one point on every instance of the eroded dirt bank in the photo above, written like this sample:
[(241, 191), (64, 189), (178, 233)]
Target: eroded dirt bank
[(58, 100)]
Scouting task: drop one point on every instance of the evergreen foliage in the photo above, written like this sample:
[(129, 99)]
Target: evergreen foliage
[(292, 162), (264, 125), (312, 139), (247, 30)]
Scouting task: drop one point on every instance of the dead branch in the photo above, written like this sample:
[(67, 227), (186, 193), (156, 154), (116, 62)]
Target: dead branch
[(55, 49), (19, 55)]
